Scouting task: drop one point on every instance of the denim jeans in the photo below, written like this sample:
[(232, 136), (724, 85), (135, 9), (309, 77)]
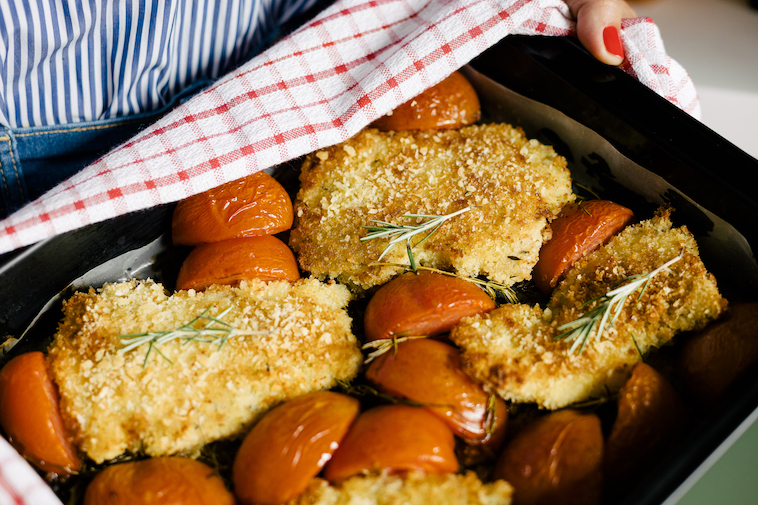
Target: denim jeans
[(34, 160)]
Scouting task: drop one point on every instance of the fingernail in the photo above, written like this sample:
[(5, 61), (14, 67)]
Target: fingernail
[(613, 41)]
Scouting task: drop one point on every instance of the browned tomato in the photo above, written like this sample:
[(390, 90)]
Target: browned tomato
[(649, 414), (426, 303), (714, 359), (555, 460), (252, 206), (290, 445), (450, 104), (577, 231), (230, 261), (158, 481), (394, 439), (429, 372), (30, 416)]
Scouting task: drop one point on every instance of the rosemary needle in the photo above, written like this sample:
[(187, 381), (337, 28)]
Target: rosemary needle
[(364, 390), (383, 345), (490, 417), (607, 311), (189, 332)]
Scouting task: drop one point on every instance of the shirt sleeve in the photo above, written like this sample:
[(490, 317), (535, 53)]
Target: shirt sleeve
[(75, 61)]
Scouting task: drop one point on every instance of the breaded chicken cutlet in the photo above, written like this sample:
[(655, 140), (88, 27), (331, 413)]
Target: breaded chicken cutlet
[(288, 340), (411, 489), (514, 186), (515, 349)]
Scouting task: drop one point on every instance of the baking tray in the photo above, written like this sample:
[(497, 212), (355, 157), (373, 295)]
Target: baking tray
[(685, 164)]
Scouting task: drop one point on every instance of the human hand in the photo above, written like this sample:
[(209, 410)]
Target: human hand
[(598, 25)]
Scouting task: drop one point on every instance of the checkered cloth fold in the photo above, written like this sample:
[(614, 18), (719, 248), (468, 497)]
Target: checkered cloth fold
[(353, 63)]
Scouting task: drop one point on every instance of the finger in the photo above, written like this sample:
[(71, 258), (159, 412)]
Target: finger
[(598, 27)]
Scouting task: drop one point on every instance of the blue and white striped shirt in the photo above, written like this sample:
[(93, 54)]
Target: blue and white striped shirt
[(68, 61)]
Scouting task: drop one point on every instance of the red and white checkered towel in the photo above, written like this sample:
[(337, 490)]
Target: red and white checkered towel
[(353, 63)]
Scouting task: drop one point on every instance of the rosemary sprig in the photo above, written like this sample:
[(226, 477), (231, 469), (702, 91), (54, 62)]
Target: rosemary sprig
[(383, 345), (492, 288), (188, 332), (604, 315), (403, 233)]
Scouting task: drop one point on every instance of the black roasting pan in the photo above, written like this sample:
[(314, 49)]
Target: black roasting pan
[(557, 73)]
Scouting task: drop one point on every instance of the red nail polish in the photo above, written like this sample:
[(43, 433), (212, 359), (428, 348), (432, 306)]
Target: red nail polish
[(613, 41)]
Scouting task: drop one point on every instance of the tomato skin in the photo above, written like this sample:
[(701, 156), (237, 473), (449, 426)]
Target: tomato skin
[(394, 439), (429, 372), (158, 481), (290, 446), (251, 206), (555, 460), (577, 231), (452, 103), (426, 303), (650, 412), (715, 358), (30, 416), (230, 261)]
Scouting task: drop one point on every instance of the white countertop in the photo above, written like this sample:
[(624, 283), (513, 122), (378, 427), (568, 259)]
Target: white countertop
[(716, 41)]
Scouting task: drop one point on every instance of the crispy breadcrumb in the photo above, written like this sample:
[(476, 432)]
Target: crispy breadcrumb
[(514, 350), (112, 404), (515, 186), (412, 489)]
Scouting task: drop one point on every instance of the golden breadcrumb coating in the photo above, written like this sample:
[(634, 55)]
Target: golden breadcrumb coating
[(515, 185), (412, 489), (112, 404), (513, 348)]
